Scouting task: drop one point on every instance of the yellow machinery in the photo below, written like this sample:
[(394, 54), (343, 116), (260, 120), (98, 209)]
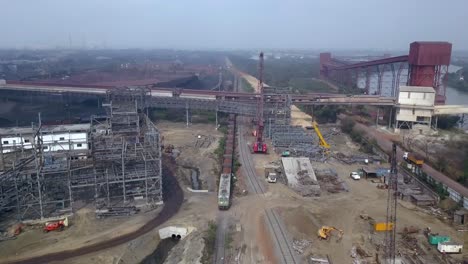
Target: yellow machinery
[(325, 232), (383, 226), (322, 141)]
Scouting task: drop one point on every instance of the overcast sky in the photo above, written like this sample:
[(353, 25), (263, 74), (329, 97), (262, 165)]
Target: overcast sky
[(229, 24)]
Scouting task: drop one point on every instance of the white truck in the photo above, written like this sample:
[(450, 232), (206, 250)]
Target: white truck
[(450, 247)]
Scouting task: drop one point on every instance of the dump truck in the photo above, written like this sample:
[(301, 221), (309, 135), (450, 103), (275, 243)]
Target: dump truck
[(413, 158)]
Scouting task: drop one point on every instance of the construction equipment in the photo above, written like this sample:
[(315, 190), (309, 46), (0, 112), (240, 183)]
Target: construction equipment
[(57, 225), (413, 158), (322, 142), (383, 226), (260, 146), (325, 232)]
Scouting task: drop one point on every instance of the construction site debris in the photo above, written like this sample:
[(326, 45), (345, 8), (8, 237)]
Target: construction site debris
[(117, 211), (329, 180), (362, 252), (299, 245), (316, 260), (204, 141), (301, 176), (411, 230)]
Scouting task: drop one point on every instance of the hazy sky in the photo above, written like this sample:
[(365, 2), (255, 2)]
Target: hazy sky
[(204, 24)]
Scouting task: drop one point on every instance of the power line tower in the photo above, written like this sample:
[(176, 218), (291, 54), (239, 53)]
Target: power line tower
[(260, 146), (390, 235)]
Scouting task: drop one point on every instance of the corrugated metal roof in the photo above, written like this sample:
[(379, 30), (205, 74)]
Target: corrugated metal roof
[(416, 89)]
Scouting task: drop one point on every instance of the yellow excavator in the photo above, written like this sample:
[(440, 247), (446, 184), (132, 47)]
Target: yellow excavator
[(325, 232), (322, 141)]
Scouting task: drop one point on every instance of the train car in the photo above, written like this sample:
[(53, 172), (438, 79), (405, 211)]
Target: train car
[(224, 192)]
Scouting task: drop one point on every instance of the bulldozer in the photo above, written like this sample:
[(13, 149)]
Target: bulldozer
[(324, 232)]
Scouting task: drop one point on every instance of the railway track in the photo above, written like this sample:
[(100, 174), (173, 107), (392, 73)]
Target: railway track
[(285, 251), (221, 238)]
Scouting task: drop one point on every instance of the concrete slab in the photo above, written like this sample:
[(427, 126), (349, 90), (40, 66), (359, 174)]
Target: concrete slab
[(295, 168)]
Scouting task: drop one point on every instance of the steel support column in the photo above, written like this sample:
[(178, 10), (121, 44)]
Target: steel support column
[(368, 75)]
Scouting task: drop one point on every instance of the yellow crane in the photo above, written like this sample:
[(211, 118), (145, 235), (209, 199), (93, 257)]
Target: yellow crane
[(322, 141)]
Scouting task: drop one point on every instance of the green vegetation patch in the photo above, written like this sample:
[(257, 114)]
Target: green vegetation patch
[(210, 240), (309, 85), (246, 86)]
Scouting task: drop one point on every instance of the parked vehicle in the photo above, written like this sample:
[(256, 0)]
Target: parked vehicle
[(449, 247), (272, 177), (56, 225), (355, 176)]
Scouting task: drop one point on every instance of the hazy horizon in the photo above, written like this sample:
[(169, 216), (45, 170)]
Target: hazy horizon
[(230, 25)]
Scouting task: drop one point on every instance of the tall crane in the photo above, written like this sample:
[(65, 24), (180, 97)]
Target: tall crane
[(260, 146), (392, 182)]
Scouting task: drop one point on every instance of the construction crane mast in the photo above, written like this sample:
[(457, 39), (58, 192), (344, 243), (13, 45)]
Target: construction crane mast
[(260, 146), (390, 236)]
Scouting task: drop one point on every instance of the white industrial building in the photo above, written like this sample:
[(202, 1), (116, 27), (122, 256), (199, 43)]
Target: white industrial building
[(415, 108), (52, 138)]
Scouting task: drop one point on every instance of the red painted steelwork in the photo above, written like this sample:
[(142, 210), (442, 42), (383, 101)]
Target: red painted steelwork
[(372, 63), (429, 63)]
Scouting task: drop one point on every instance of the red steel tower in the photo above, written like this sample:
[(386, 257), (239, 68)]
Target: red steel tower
[(428, 66)]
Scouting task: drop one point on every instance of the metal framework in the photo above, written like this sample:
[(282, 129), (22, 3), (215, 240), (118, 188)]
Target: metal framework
[(390, 236), (122, 167)]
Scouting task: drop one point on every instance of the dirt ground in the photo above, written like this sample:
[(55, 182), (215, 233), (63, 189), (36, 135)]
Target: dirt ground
[(84, 229), (303, 216), (299, 118), (184, 140)]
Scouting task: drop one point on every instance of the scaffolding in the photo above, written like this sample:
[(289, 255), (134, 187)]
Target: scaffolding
[(121, 167)]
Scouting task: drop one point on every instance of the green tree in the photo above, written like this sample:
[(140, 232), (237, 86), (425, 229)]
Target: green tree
[(347, 125), (441, 163)]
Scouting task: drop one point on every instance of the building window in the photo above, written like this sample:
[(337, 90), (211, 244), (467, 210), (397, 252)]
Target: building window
[(79, 145), (5, 142), (409, 94), (45, 147), (26, 141), (414, 111), (62, 138), (424, 95)]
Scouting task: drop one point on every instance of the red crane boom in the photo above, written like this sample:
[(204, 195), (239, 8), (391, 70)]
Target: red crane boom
[(260, 146)]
